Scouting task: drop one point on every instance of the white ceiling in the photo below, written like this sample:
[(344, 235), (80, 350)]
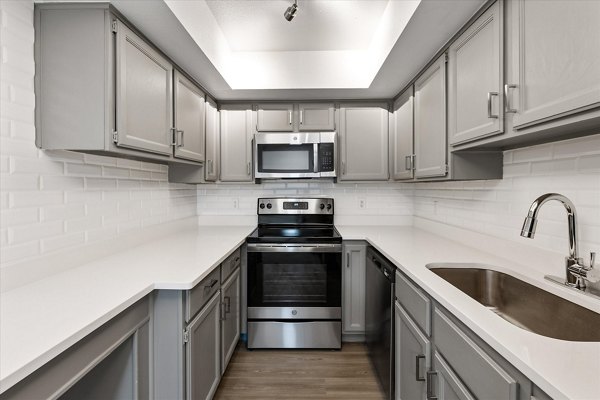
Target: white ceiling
[(319, 25)]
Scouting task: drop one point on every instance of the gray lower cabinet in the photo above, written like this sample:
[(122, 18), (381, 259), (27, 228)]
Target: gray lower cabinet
[(189, 104), (353, 276), (230, 317), (430, 122), (363, 135), (475, 98), (401, 137), (448, 386), (412, 358), (236, 142), (112, 362), (202, 349), (213, 136)]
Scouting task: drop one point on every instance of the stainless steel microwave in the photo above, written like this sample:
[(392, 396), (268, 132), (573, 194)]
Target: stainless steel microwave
[(295, 155)]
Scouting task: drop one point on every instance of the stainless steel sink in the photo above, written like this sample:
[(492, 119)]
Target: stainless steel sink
[(524, 305)]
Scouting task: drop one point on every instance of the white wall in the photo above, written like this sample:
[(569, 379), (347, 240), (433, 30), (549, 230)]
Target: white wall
[(498, 207), (57, 200)]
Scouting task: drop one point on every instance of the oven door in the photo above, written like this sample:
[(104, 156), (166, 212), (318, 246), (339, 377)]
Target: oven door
[(294, 281)]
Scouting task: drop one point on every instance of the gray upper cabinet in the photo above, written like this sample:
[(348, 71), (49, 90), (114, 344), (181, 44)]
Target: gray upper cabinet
[(144, 94), (475, 98), (211, 166), (236, 143), (203, 352), (430, 122), (189, 119), (412, 358), (363, 137), (316, 117), (275, 117), (230, 317), (554, 67), (354, 271), (401, 137)]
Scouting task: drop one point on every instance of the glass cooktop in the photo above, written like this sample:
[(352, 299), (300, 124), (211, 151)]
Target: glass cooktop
[(299, 234)]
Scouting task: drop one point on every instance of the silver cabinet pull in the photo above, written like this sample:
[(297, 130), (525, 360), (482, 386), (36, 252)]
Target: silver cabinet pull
[(347, 260), (301, 117), (430, 395), (489, 104), (290, 117), (418, 376), (223, 312), (180, 143), (210, 168), (248, 168), (407, 163), (173, 136), (343, 168), (227, 304), (507, 105)]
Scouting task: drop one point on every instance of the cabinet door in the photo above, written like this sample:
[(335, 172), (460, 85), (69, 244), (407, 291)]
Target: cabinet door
[(449, 386), (203, 352), (211, 166), (275, 117), (364, 142), (236, 143), (401, 137), (555, 62), (144, 95), (189, 119), (430, 122), (230, 319), (475, 107), (354, 288), (412, 358), (316, 117)]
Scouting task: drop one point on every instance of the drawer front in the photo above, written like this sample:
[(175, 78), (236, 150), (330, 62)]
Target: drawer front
[(197, 297), (414, 301), (480, 373), (230, 264)]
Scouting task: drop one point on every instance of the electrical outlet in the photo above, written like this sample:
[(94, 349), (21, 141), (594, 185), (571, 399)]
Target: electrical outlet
[(362, 203), (236, 203)]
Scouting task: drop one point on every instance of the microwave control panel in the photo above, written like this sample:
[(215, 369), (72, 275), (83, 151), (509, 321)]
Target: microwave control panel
[(326, 157)]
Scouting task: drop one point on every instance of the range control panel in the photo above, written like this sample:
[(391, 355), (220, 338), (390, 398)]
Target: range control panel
[(279, 205)]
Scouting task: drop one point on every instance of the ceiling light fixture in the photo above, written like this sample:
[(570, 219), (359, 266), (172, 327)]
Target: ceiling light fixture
[(291, 11)]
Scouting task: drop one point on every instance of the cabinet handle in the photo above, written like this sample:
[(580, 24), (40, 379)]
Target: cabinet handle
[(430, 395), (347, 260), (223, 312), (209, 166), (227, 304), (290, 117), (407, 162), (507, 105), (301, 117), (418, 376), (343, 168), (173, 136), (489, 104), (248, 169), (180, 143)]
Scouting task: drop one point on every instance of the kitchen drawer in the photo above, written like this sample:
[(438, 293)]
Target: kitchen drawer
[(414, 301), (197, 297), (231, 263), (475, 368)]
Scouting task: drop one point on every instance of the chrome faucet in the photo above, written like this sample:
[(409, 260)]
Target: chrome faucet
[(577, 273)]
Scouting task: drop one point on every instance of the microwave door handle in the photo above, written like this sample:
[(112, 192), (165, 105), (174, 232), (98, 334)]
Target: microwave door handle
[(316, 158)]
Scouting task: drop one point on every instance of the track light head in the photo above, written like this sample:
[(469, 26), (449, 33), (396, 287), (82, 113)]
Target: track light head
[(291, 11)]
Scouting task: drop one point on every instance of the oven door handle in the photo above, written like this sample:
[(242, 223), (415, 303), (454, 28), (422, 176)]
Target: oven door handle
[(294, 248)]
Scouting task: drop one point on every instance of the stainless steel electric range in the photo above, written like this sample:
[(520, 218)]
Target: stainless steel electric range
[(295, 275)]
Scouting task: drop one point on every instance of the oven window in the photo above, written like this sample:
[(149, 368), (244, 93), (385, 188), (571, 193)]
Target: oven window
[(285, 158), (294, 279)]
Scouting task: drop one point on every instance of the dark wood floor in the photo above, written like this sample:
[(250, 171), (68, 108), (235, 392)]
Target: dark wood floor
[(294, 374)]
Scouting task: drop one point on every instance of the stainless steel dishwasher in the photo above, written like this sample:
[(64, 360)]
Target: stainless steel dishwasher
[(380, 318)]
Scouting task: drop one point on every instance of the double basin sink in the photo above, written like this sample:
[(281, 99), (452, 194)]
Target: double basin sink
[(522, 304)]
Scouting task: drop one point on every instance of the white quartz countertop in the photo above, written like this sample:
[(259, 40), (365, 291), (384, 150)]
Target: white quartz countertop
[(40, 320), (564, 370)]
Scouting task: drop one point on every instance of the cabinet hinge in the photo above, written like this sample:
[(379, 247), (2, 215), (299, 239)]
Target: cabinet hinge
[(186, 336), (114, 26), (115, 136)]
